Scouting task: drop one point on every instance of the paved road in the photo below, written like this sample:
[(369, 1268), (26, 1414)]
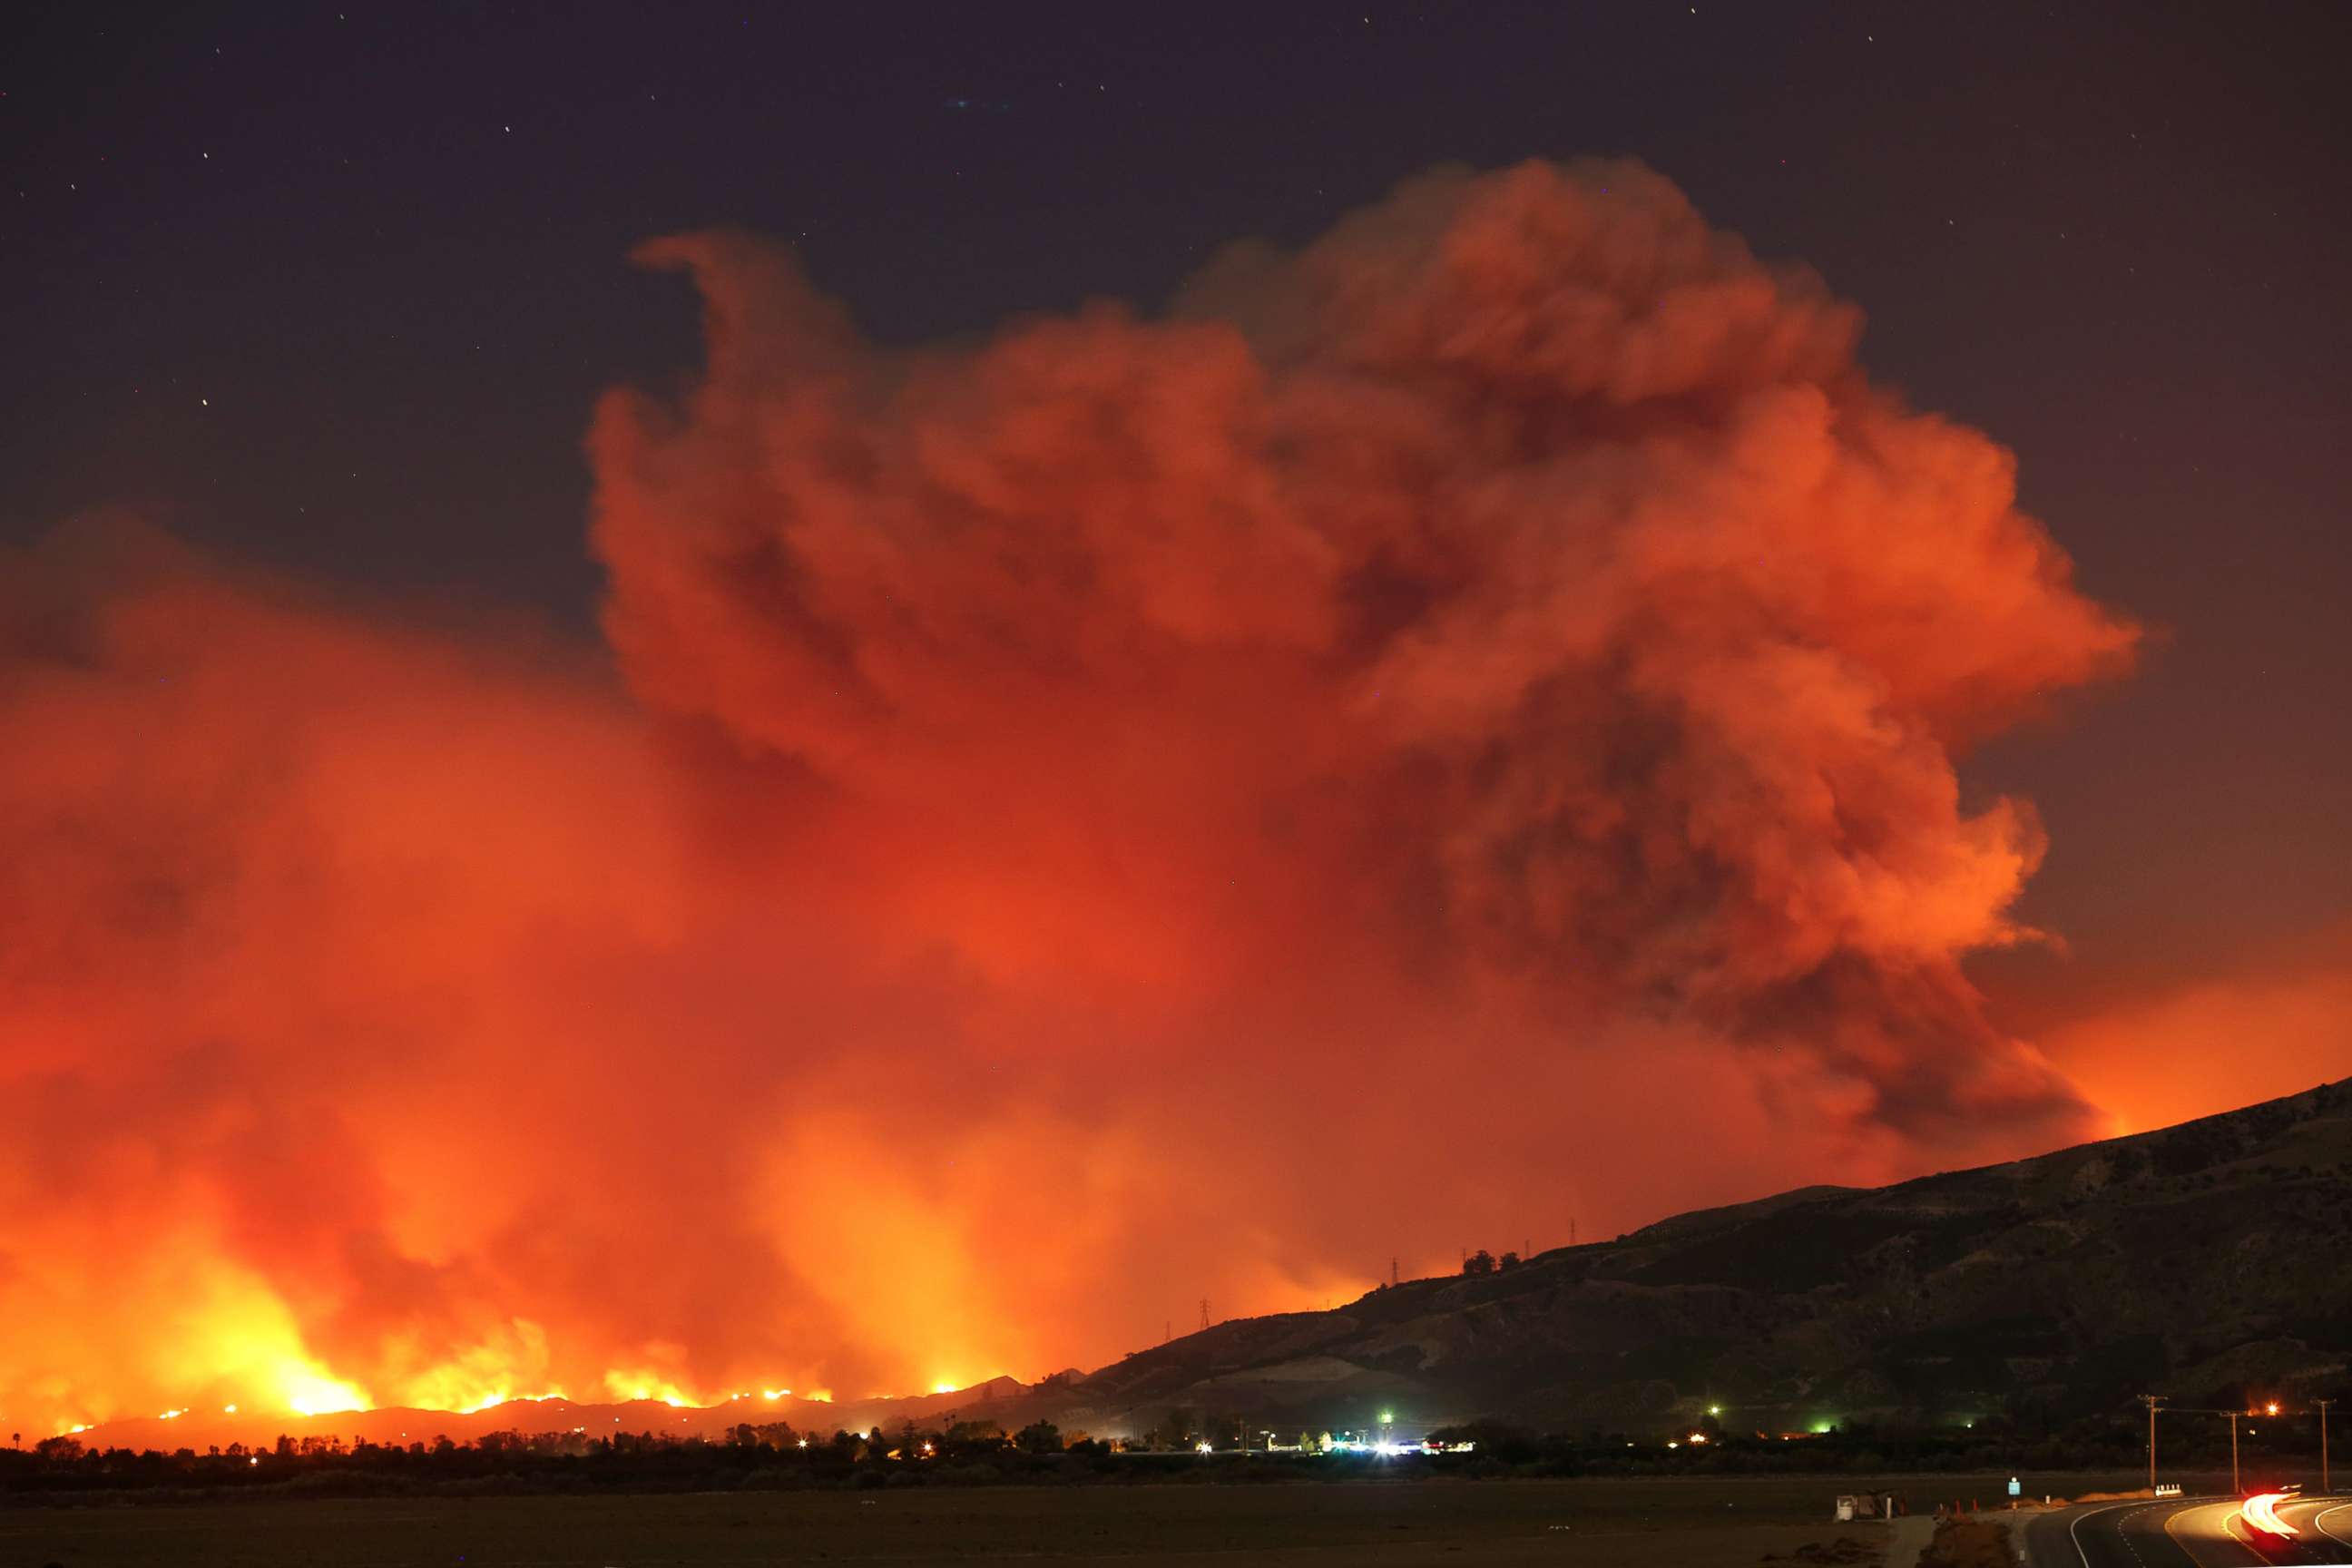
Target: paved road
[(2326, 1526), (2186, 1532)]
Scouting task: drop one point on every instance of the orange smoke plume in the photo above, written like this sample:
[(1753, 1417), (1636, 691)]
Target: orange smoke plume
[(1135, 809)]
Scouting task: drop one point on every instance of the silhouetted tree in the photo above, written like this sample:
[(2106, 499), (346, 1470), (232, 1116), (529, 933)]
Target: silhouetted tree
[(1479, 1262), (1040, 1437), (1509, 1260)]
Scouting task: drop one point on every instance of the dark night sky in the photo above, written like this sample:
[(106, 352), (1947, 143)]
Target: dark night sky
[(336, 288)]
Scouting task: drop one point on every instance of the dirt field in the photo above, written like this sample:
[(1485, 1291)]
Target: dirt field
[(1714, 1523), (1968, 1543)]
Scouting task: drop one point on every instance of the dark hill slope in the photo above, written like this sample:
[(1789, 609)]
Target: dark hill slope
[(2190, 1259)]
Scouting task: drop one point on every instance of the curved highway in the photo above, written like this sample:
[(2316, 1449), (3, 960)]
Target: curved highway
[(2325, 1523), (2186, 1532)]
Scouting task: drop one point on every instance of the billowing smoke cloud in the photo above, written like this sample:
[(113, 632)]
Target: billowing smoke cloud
[(1520, 586), (1448, 731)]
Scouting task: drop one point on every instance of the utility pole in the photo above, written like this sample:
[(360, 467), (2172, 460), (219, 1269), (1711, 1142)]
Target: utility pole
[(1204, 1314), (1572, 1233), (2233, 1452), (2322, 1405), (2152, 1400)]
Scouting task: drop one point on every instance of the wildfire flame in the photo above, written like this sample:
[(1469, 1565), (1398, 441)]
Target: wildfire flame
[(1018, 778), (312, 1393)]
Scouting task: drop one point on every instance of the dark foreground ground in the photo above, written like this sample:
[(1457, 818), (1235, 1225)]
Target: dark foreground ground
[(1731, 1523)]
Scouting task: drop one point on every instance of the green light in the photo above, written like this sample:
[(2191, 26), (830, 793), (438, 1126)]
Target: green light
[(1387, 1418), (1715, 1410), (1823, 1428)]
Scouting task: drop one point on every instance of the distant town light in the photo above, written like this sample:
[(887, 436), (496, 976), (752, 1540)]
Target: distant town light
[(1715, 1410), (1202, 1447)]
